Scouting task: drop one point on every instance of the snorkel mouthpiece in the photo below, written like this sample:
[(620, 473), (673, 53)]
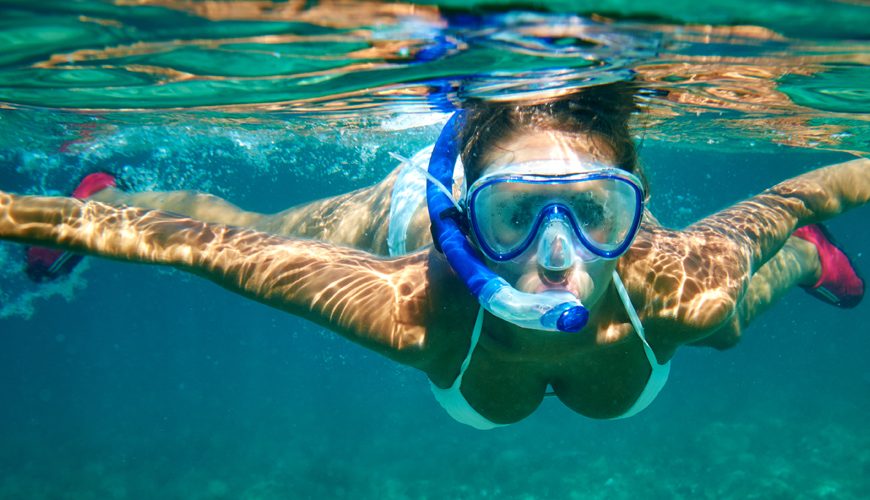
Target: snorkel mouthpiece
[(551, 310)]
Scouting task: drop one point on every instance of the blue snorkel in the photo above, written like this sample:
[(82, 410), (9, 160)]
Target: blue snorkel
[(551, 310)]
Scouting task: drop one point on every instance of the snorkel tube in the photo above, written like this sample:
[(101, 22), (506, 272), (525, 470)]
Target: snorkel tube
[(550, 310)]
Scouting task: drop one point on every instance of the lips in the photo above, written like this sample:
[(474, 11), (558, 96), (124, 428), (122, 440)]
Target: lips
[(554, 277), (567, 287), (564, 281)]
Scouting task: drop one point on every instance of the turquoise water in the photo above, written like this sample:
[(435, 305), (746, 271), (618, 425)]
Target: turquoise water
[(127, 381)]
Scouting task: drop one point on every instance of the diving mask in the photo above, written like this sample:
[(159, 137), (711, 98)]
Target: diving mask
[(601, 208)]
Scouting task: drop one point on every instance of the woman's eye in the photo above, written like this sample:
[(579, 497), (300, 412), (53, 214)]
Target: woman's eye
[(516, 211), (590, 213), (519, 217)]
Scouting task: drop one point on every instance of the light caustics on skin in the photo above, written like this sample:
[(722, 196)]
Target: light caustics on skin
[(687, 283), (696, 279), (698, 276), (377, 302)]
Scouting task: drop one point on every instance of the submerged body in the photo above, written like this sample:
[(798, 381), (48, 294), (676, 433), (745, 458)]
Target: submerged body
[(326, 261), (553, 206)]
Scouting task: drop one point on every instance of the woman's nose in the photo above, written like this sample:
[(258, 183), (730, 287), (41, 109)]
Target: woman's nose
[(555, 248)]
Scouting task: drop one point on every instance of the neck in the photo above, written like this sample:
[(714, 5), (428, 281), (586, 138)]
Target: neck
[(608, 324)]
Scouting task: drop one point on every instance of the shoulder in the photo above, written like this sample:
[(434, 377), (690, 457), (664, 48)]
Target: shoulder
[(685, 282), (448, 316)]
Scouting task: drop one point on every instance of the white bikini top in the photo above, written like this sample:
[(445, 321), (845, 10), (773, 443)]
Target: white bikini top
[(452, 400)]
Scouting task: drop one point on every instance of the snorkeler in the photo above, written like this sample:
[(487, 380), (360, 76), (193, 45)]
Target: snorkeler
[(548, 276)]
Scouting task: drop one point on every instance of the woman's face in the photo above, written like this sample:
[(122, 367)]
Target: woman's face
[(556, 260)]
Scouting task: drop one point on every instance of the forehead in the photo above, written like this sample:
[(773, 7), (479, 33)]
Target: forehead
[(549, 153)]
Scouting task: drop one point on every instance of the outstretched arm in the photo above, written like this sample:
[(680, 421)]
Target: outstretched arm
[(762, 224), (691, 281), (379, 303)]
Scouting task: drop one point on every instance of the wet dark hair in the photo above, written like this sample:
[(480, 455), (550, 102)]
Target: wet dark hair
[(604, 110)]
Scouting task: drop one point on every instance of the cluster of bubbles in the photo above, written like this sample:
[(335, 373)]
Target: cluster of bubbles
[(20, 298)]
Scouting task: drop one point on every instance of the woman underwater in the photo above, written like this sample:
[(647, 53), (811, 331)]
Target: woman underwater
[(548, 277)]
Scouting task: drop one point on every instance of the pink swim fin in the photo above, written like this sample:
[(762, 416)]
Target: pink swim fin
[(839, 283), (48, 264)]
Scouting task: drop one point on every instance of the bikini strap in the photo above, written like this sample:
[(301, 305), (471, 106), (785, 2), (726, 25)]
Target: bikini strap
[(475, 338), (634, 318), (629, 309), (659, 372)]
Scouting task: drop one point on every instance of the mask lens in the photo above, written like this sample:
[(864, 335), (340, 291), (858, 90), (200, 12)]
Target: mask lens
[(605, 212), (504, 215)]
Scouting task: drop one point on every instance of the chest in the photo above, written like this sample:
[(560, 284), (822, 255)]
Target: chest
[(508, 382)]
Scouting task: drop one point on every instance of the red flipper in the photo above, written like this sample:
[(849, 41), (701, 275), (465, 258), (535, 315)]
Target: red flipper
[(839, 283), (48, 264)]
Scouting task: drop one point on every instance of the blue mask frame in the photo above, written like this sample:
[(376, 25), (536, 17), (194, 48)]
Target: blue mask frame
[(556, 210)]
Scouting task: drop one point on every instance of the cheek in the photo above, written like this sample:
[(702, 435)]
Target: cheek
[(600, 274), (600, 270)]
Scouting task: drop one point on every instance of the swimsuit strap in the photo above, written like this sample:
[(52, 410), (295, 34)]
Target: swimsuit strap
[(452, 400), (475, 338), (633, 317), (629, 309), (658, 376), (409, 192)]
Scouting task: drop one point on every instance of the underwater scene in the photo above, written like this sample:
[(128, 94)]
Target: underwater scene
[(127, 381)]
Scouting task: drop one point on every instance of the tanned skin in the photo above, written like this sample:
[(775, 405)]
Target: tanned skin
[(324, 261)]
